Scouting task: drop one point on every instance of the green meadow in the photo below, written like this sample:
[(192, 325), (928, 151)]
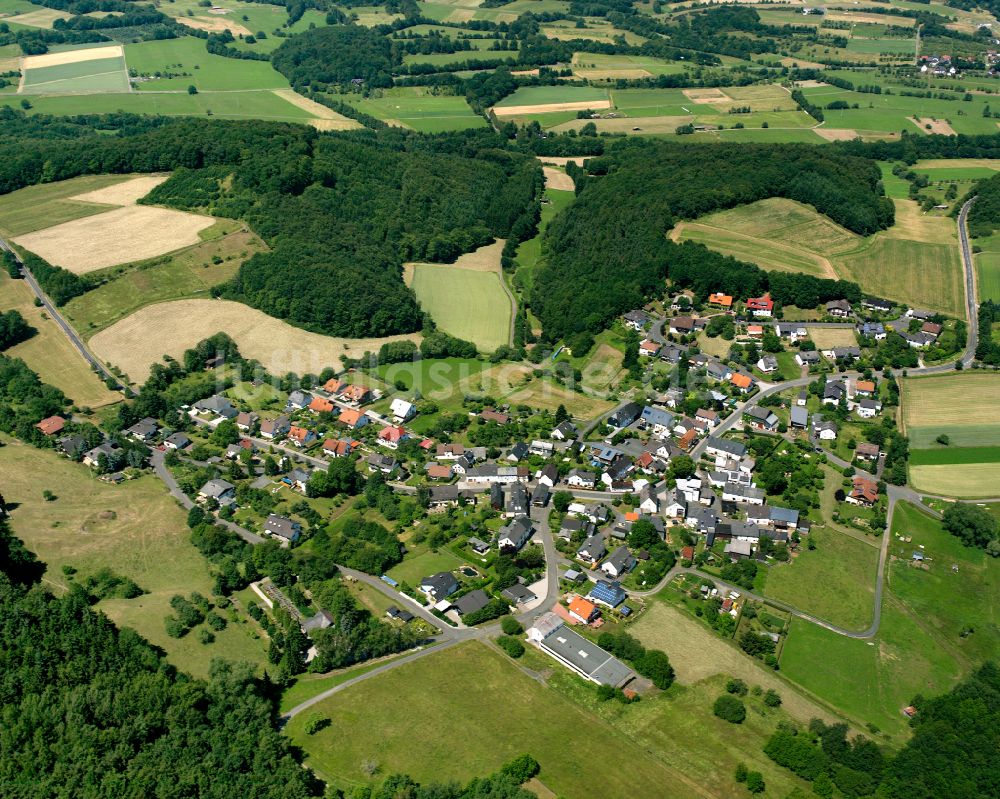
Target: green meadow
[(200, 68)]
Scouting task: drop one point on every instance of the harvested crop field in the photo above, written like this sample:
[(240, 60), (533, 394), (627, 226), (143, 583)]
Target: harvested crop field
[(43, 18), (280, 347), (518, 110), (836, 134), (959, 400), (938, 126), (128, 192), (557, 179), (327, 119), (116, 237), (214, 25), (73, 57), (957, 480), (647, 125), (549, 396)]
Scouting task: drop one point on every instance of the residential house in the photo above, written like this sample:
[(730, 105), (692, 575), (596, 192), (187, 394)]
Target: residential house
[(298, 479), (791, 330), (283, 528), (356, 395), (722, 446), (648, 502), (931, 329), (401, 615), (543, 449), (593, 549), (516, 502), (384, 464), (518, 595), (490, 415), (743, 494), (834, 391), (564, 431), (472, 602), (919, 340), (218, 406), (823, 430), (619, 563), (222, 491), (802, 399), (109, 449), (549, 475), (864, 491), (671, 353), (761, 419), (334, 385), (518, 452), (806, 357), (773, 516), (681, 325), (577, 653), (300, 436), (477, 545), (767, 364), (572, 525), (540, 495), (917, 313), (583, 611), (864, 388), (490, 473), (867, 452), (649, 348), (322, 405), (607, 592), (514, 535), (710, 418), (659, 420), (439, 586), (743, 382), (869, 408), (247, 421), (716, 370), (392, 436), (839, 308), (755, 332), (843, 353), (738, 549), (877, 305), (275, 428), (177, 441), (873, 330), (578, 478), (143, 431), (234, 451), (438, 471), (799, 418), (674, 506), (298, 400), (637, 320), (720, 300), (447, 496), (625, 415), (402, 410), (337, 448), (761, 307)]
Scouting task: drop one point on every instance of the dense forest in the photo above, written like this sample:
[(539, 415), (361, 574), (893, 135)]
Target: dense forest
[(608, 251), (337, 55), (14, 329), (952, 752), (340, 213), (984, 215)]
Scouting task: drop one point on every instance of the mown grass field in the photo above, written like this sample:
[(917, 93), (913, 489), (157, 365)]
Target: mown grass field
[(962, 407), (225, 105), (918, 648), (471, 305), (552, 95), (835, 582), (203, 70), (530, 252), (417, 108), (190, 272), (136, 529), (914, 262), (50, 353), (99, 75), (658, 738)]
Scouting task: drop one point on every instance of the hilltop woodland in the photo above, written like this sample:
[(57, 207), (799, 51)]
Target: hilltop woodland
[(340, 214), (607, 252)]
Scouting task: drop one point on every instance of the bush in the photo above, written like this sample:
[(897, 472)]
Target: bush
[(521, 769), (741, 772), (772, 698), (729, 708), (655, 665), (316, 723), (737, 687), (206, 636), (512, 646), (511, 626), (755, 782), (216, 622)]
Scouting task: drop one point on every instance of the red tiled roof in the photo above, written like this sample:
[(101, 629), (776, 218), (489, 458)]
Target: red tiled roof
[(51, 425)]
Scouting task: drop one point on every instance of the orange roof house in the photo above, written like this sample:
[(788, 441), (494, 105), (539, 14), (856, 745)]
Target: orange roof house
[(300, 435), (755, 331), (632, 516), (720, 299), (352, 418), (357, 394), (686, 441), (865, 387), (51, 425), (321, 405), (334, 385), (583, 610), (741, 381)]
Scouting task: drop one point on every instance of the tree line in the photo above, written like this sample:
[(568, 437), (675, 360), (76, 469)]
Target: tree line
[(607, 252)]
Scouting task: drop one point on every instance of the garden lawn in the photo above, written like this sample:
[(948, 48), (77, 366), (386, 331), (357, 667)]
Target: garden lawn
[(136, 529), (421, 562), (835, 582)]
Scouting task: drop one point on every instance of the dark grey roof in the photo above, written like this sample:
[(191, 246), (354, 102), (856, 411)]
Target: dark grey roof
[(586, 656), (471, 602), (727, 446), (518, 594), (440, 585)]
